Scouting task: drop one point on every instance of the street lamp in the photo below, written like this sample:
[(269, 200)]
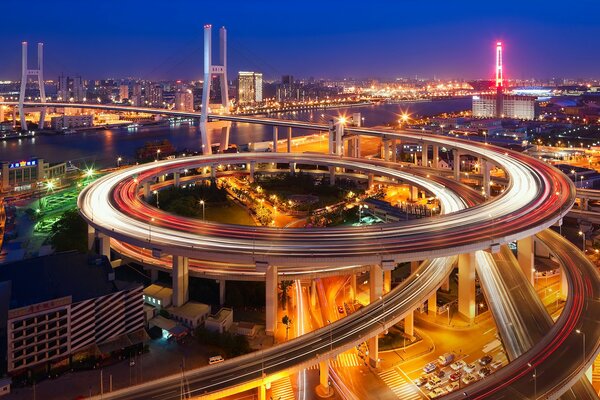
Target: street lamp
[(119, 159), (201, 202), (150, 229), (582, 240), (580, 332), (574, 173), (534, 379), (156, 194), (560, 215), (157, 154)]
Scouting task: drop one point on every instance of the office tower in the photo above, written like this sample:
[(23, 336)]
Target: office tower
[(249, 87)]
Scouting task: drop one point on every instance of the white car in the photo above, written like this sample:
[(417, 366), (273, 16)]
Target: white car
[(457, 365), (469, 368), (452, 386), (437, 392)]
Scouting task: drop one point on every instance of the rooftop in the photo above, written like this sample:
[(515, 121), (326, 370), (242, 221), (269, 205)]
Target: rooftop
[(191, 310), (41, 279)]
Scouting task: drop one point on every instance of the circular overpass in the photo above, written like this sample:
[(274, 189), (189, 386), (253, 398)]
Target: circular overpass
[(536, 197)]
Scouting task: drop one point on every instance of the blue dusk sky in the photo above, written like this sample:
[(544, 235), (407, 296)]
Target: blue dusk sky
[(324, 39)]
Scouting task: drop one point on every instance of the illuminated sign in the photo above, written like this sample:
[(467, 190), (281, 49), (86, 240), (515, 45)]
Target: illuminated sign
[(21, 164)]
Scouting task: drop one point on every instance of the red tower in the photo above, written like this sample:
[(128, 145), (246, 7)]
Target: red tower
[(499, 82)]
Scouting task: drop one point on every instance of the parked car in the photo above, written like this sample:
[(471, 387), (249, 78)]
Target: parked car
[(440, 373), (452, 386), (430, 367), (485, 360), (455, 376), (445, 359), (420, 381), (469, 368), (496, 365), (467, 379), (456, 366), (437, 392)]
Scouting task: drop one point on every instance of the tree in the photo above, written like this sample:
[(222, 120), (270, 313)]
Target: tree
[(284, 286), (70, 233), (287, 321)]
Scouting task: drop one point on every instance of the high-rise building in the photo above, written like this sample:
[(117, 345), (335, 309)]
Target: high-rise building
[(136, 98), (184, 100), (124, 92), (250, 87), (520, 107), (154, 95), (287, 90), (70, 88)]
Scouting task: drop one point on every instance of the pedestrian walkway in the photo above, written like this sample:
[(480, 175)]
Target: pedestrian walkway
[(402, 388), (282, 389), (343, 360)]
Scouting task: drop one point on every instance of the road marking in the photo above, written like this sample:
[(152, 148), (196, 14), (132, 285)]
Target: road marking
[(282, 389), (343, 360), (402, 388)]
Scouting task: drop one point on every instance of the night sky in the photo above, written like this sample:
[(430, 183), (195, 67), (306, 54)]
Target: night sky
[(448, 39)]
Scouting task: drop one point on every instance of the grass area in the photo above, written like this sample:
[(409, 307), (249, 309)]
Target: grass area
[(228, 213)]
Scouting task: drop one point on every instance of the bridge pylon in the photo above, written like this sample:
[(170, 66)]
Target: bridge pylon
[(25, 74), (209, 71)]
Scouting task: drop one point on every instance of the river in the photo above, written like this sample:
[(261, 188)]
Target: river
[(101, 148)]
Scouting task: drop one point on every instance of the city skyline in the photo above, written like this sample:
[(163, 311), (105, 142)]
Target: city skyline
[(324, 41)]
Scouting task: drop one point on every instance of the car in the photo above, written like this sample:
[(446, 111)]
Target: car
[(430, 367), (452, 386), (440, 374), (455, 376), (420, 381), (485, 360), (469, 368), (434, 382), (437, 392), (485, 371), (340, 309), (456, 366), (445, 359), (469, 378), (497, 365)]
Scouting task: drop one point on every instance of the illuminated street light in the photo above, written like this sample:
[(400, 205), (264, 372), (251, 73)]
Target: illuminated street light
[(156, 194), (580, 233), (201, 202)]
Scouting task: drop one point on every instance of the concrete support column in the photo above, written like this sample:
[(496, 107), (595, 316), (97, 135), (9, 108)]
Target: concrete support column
[(375, 282), (371, 178), (104, 245), (387, 281), (275, 138), (91, 237), (414, 193), (332, 176), (339, 134), (271, 299), (394, 151), (176, 179), (221, 291), (323, 390), (180, 276), (331, 138), (409, 324), (456, 163), (292, 168), (425, 155), (252, 166), (289, 139), (357, 146), (485, 177), (526, 258), (146, 189), (432, 303), (213, 171), (373, 344), (386, 150), (153, 275), (414, 265), (466, 285), (262, 392), (584, 204), (353, 285)]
